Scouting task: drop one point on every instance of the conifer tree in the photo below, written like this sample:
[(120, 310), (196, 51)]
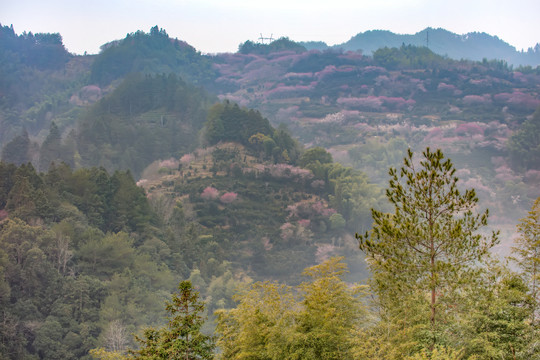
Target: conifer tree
[(425, 250), (182, 338)]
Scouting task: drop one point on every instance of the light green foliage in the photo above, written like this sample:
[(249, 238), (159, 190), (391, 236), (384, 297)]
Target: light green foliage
[(438, 353), (314, 155), (259, 327), (497, 308), (181, 338), (527, 255), (270, 322), (329, 312), (103, 354), (427, 249)]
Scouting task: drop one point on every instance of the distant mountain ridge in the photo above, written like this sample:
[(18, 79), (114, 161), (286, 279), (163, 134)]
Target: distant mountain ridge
[(474, 46)]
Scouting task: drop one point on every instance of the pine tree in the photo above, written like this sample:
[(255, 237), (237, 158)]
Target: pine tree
[(422, 252), (182, 338)]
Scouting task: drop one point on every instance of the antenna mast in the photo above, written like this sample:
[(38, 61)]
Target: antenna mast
[(262, 39)]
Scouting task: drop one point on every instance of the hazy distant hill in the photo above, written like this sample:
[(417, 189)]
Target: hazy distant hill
[(472, 46)]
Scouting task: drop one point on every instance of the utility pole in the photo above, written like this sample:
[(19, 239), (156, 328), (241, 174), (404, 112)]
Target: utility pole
[(262, 39)]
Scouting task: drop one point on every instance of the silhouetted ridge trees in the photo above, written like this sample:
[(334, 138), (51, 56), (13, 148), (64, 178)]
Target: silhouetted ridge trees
[(150, 53), (281, 44), (41, 50), (409, 57)]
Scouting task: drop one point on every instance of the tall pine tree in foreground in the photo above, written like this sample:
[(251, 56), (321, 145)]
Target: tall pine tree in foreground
[(423, 253)]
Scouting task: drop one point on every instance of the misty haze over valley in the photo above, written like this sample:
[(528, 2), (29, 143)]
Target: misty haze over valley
[(304, 200)]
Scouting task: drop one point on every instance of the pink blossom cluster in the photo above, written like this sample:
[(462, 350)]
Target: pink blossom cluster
[(480, 82), (287, 231), (352, 55), (365, 103), (210, 193), (498, 161), (446, 88), (285, 171), (505, 174), (469, 129), (318, 184), (309, 209), (373, 70), (477, 99), (320, 208), (435, 132), (283, 91), (186, 159), (324, 251), (375, 102), (518, 76), (396, 102), (295, 232), (328, 70), (307, 75), (518, 99), (228, 197)]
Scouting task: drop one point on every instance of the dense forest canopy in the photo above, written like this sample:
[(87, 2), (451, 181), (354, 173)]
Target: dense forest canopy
[(237, 183), (150, 53)]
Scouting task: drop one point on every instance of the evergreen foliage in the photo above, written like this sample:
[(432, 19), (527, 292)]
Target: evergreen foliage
[(41, 50), (429, 245), (409, 57), (281, 44), (228, 122), (17, 151), (524, 144), (150, 53), (144, 119), (182, 339)]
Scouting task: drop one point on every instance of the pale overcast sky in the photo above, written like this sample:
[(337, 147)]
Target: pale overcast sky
[(214, 26)]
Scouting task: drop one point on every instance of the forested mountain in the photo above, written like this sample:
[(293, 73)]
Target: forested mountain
[(472, 46), (150, 53), (125, 173)]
